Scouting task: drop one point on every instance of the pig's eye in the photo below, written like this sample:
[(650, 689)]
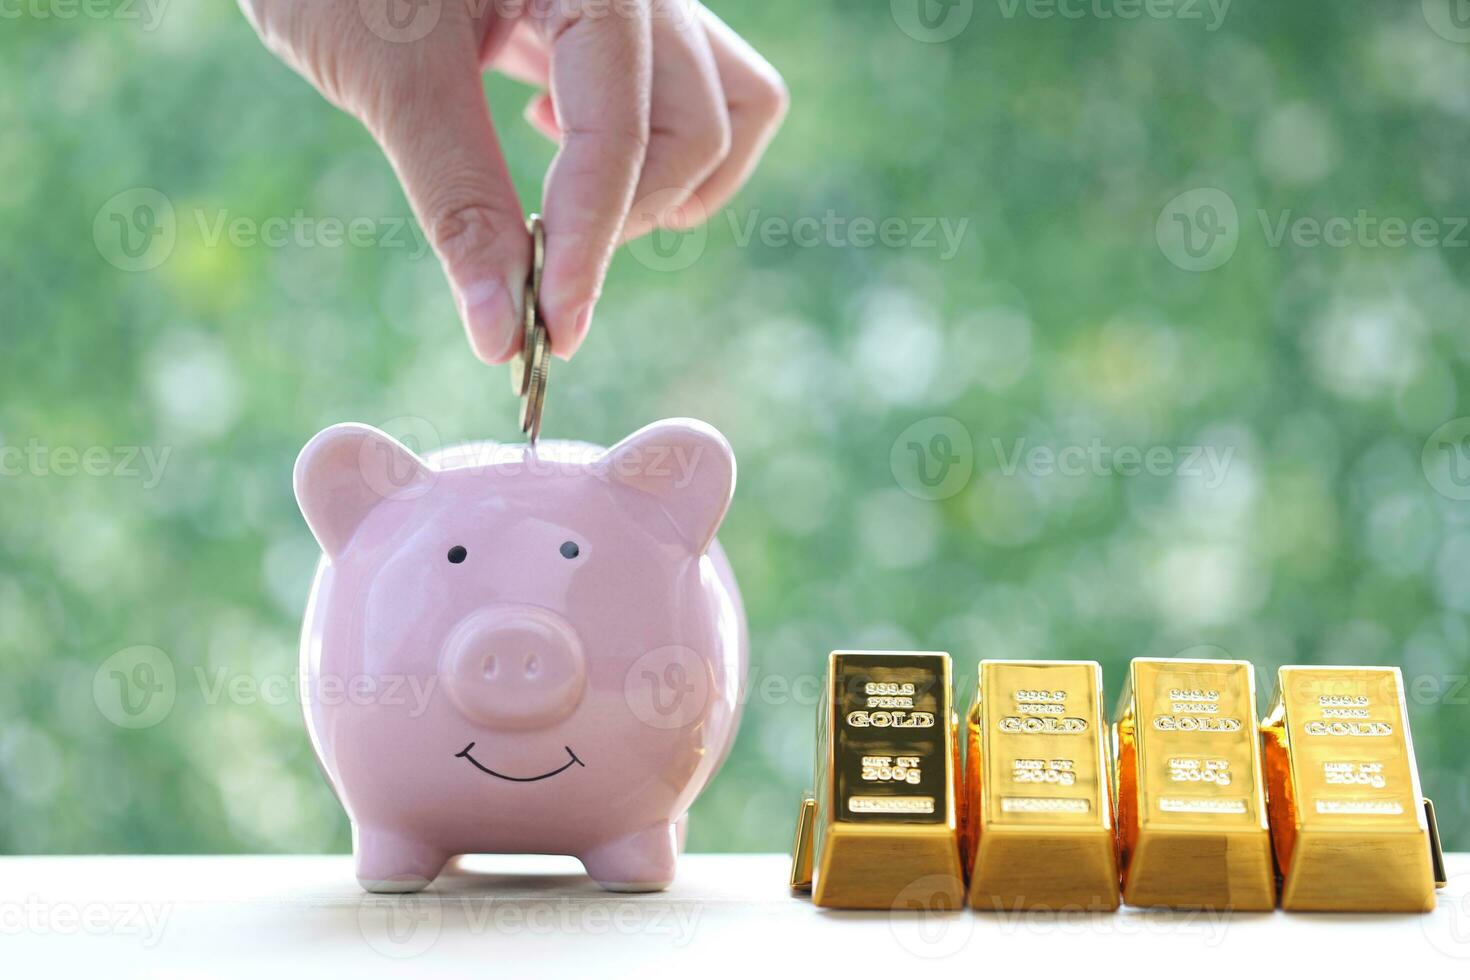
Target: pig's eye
[(569, 549), (457, 554)]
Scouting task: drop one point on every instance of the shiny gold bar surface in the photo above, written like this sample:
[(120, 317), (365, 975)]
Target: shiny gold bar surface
[(1347, 816), (1038, 807), (1191, 806), (801, 849), (885, 830)]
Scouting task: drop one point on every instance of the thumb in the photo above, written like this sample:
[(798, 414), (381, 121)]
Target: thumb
[(435, 127)]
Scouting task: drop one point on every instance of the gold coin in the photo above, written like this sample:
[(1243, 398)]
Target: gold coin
[(529, 367), (535, 397), (520, 363)]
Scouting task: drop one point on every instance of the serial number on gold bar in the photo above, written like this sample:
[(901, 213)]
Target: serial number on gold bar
[(1389, 807), (1044, 804), (1170, 804), (891, 804)]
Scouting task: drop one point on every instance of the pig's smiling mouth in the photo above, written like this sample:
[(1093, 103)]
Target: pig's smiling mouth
[(464, 753)]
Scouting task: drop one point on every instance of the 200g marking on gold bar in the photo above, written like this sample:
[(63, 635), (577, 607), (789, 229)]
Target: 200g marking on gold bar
[(886, 768)]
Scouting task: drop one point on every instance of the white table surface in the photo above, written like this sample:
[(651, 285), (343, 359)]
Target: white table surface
[(163, 917)]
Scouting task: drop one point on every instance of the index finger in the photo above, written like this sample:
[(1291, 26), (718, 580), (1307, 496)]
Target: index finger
[(601, 72)]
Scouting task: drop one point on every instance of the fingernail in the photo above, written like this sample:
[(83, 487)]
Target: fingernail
[(579, 330), (489, 317)]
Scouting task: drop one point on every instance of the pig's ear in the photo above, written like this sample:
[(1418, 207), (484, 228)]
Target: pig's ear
[(345, 472), (687, 466)]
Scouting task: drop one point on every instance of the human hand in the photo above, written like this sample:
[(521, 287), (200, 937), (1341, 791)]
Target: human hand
[(652, 102)]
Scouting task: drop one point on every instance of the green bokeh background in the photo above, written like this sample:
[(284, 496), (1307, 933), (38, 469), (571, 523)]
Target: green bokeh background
[(1063, 319)]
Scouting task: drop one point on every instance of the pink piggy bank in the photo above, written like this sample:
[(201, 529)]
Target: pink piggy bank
[(513, 649)]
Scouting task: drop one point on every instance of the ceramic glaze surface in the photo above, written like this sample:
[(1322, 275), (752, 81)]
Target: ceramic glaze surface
[(514, 650)]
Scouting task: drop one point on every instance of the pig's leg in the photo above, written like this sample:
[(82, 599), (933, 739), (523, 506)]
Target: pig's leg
[(681, 831), (388, 861), (641, 862)]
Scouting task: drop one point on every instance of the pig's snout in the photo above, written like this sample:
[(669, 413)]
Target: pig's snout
[(514, 667)]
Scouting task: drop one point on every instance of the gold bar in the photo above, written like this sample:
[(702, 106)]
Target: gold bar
[(1039, 811), (1191, 807), (884, 827), (1436, 849), (801, 850), (1348, 820)]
